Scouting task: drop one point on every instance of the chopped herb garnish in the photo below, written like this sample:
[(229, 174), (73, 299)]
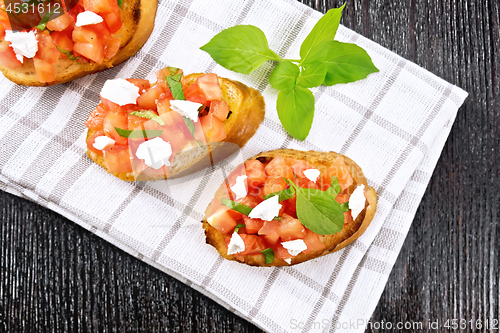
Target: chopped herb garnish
[(237, 228), (335, 188), (240, 208), (148, 115), (345, 206), (268, 255), (43, 22), (120, 3), (175, 85), (285, 194), (68, 54)]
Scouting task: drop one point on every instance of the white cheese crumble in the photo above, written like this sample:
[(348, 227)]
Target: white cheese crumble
[(312, 174), (102, 142), (357, 201), (236, 245), (186, 108), (266, 210), (294, 247), (23, 43), (120, 91), (87, 17), (239, 188), (155, 153), (288, 261)]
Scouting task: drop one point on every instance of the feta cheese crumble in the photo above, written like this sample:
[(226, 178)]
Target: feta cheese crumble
[(312, 174), (155, 153), (102, 142), (120, 91), (186, 108), (267, 209), (294, 247), (357, 201), (239, 188), (236, 245), (23, 43), (87, 18)]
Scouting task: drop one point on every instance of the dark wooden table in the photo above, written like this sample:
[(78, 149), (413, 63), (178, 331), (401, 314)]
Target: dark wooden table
[(56, 276)]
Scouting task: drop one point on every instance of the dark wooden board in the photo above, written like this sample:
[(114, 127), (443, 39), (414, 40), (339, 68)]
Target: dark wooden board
[(56, 276)]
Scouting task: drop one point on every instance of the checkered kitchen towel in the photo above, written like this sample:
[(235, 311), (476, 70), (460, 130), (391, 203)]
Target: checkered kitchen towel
[(393, 124)]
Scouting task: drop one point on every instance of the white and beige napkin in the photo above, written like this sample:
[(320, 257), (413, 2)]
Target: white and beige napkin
[(393, 124)]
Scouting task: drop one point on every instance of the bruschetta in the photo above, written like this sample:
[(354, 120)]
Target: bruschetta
[(60, 44), (284, 207), (174, 127)]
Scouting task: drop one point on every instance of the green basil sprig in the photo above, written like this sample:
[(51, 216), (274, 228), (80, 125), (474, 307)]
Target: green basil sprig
[(323, 61), (68, 54), (175, 85), (148, 115), (238, 226), (268, 255), (138, 134)]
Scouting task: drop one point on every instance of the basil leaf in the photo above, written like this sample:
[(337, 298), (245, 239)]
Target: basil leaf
[(285, 194), (148, 115), (68, 54), (45, 19), (312, 76), (347, 63), (319, 54), (190, 125), (268, 255), (324, 30), (138, 134), (120, 3), (175, 85), (334, 188), (240, 208), (284, 75), (296, 111), (318, 211), (242, 48), (345, 206), (173, 70), (238, 226)]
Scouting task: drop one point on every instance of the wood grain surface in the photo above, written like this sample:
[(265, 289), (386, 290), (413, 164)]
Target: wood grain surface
[(57, 277)]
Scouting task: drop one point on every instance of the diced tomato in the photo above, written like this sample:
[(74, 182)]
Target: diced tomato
[(96, 118), (111, 47), (290, 228), (91, 141), (44, 70), (148, 99), (347, 217), (304, 183), (292, 204), (174, 131), (60, 23), (220, 109), (161, 78), (253, 244), (8, 56), (101, 29), (281, 252), (313, 242), (250, 200), (222, 220), (47, 51), (118, 159), (342, 198), (111, 106), (194, 94), (113, 21), (338, 169), (163, 106), (255, 174), (88, 44), (270, 227), (298, 167), (101, 6), (63, 41), (213, 127), (209, 85), (252, 226), (140, 83), (115, 119), (135, 122), (273, 184), (278, 167)]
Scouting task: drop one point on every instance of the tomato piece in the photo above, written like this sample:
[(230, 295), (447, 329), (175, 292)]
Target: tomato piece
[(253, 244), (140, 83), (44, 70), (101, 29), (298, 167), (101, 6), (250, 201), (270, 227), (313, 242), (110, 106), (194, 94), (252, 226), (209, 85), (347, 217), (115, 119), (273, 184), (118, 158), (161, 78), (111, 47), (63, 41), (96, 118), (174, 131), (213, 127), (342, 198), (88, 44), (222, 220), (290, 228), (255, 174), (60, 23), (8, 56), (113, 21), (220, 109), (47, 51), (281, 252), (148, 99), (135, 122), (304, 183), (91, 141), (278, 167), (340, 170), (163, 106)]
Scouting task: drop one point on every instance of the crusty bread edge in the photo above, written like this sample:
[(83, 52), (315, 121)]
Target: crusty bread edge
[(346, 236)]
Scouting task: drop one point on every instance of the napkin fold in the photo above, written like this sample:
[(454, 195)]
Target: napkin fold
[(393, 124)]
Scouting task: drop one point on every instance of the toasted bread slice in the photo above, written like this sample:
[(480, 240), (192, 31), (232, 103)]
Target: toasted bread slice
[(248, 110), (137, 24), (335, 242)]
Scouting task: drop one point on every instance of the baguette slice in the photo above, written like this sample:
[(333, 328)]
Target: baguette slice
[(335, 242), (137, 24), (248, 110)]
